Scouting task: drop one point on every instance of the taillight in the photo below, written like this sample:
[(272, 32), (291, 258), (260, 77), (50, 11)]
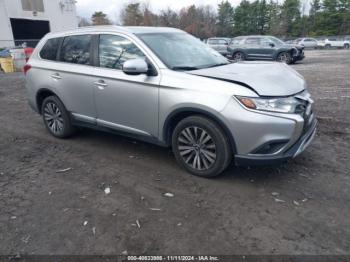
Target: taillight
[(26, 68)]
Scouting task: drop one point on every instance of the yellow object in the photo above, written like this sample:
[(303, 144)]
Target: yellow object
[(7, 65)]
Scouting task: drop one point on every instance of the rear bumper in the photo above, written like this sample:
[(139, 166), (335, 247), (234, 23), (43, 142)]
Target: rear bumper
[(256, 160)]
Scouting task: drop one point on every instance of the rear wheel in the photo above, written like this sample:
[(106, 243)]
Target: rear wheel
[(346, 46), (201, 146), (328, 46), (284, 57), (56, 117), (238, 56)]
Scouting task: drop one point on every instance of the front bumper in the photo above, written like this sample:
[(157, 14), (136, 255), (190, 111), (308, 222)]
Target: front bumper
[(299, 56), (296, 149)]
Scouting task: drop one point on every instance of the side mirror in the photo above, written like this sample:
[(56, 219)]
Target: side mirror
[(136, 66), (272, 44)]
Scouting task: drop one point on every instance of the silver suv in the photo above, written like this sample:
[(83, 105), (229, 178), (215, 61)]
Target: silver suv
[(164, 86), (219, 44)]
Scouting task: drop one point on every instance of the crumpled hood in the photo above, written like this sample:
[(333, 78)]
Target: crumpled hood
[(265, 78)]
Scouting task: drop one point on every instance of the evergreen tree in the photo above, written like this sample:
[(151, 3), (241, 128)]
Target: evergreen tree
[(225, 19), (100, 18)]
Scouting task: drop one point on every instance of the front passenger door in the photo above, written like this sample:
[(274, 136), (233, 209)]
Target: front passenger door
[(124, 102), (268, 48)]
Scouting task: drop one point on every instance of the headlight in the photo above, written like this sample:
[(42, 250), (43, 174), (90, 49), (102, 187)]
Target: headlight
[(281, 105)]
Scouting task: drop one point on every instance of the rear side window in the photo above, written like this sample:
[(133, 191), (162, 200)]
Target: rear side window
[(213, 41), (115, 50), (49, 51), (252, 41), (76, 49)]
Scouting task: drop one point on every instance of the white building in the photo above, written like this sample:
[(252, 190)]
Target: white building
[(29, 20)]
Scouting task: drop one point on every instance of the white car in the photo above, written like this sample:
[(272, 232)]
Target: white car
[(307, 42), (333, 42)]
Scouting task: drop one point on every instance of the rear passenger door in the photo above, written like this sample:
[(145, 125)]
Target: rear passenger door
[(124, 102), (252, 47), (73, 76)]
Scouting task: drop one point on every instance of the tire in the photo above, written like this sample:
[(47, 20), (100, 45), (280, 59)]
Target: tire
[(284, 57), (56, 118), (327, 46), (346, 46), (238, 56), (201, 147)]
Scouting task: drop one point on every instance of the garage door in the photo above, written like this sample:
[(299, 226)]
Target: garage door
[(29, 31)]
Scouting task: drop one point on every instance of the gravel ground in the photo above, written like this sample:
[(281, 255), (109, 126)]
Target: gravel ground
[(44, 211)]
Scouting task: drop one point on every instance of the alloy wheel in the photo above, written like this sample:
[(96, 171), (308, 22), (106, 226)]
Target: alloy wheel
[(197, 148), (238, 57), (53, 118), (283, 57)]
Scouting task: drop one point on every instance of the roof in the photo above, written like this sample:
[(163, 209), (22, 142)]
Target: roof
[(219, 38), (120, 29)]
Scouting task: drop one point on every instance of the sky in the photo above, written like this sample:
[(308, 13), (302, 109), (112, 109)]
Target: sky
[(86, 8)]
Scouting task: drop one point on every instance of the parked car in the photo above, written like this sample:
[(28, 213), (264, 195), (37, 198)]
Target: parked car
[(290, 42), (307, 42), (333, 43), (219, 44), (264, 48), (210, 111)]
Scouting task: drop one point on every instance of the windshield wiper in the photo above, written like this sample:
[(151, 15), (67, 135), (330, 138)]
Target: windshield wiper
[(185, 68)]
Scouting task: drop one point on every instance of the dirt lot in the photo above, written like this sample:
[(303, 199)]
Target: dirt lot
[(43, 211)]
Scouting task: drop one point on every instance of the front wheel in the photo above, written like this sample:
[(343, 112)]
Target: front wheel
[(284, 57), (346, 46), (201, 146)]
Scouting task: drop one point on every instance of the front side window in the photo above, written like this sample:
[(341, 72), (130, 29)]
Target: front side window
[(236, 40), (76, 49), (276, 41), (115, 50), (265, 41), (213, 41), (49, 51), (181, 51), (223, 42)]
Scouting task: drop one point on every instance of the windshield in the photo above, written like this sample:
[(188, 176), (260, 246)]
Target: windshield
[(181, 51)]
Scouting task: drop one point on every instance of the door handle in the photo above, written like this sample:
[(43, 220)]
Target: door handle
[(56, 76), (100, 84)]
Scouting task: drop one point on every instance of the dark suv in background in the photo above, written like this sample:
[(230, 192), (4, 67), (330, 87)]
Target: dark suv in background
[(264, 48)]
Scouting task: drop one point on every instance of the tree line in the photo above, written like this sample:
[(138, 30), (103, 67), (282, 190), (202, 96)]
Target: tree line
[(290, 18)]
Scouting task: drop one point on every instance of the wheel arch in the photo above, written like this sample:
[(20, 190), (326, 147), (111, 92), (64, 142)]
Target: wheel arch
[(41, 95), (177, 115), (239, 50)]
